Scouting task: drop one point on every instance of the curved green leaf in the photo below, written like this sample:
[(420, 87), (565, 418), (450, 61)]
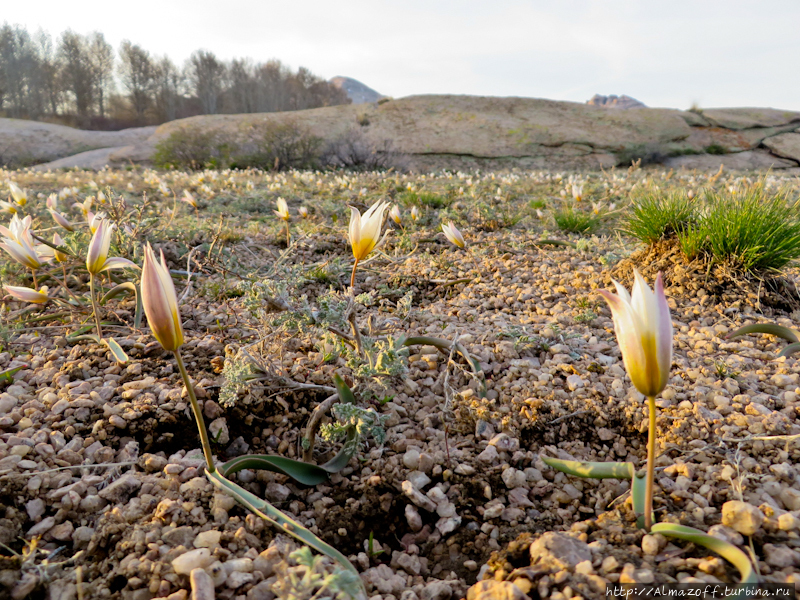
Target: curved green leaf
[(7, 375), (790, 349), (790, 335), (725, 549), (285, 523), (302, 472), (116, 350), (593, 470), (344, 391), (118, 290)]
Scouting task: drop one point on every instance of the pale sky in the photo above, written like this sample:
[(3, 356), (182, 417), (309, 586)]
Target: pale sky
[(674, 53)]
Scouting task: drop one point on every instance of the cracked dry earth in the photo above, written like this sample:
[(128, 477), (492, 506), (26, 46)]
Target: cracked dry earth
[(454, 499)]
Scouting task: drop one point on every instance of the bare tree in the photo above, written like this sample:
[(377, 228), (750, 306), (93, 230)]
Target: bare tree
[(242, 93), (206, 74), (76, 71), (49, 73), (138, 76), (101, 66), (168, 83), (20, 92)]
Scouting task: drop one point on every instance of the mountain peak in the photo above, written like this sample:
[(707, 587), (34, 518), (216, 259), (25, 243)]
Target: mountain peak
[(357, 91)]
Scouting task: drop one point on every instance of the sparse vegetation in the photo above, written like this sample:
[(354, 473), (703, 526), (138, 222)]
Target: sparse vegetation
[(306, 353)]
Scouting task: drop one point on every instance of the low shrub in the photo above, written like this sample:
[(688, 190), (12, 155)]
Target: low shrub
[(194, 149), (277, 147), (354, 151)]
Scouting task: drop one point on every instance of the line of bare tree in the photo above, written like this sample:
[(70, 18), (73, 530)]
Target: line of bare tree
[(79, 80)]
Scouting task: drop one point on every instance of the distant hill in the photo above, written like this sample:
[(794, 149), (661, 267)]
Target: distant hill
[(357, 91)]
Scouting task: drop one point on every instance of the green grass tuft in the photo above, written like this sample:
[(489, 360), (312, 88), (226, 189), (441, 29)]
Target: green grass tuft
[(570, 220), (753, 231), (656, 216)]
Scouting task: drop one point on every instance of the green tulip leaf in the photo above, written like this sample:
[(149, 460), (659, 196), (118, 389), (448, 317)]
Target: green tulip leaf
[(282, 521), (8, 375), (638, 493), (592, 470), (344, 391), (790, 349), (725, 549), (79, 332), (302, 472), (116, 350), (117, 290), (790, 335)]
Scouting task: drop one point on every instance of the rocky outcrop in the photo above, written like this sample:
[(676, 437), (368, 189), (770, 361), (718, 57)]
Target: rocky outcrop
[(612, 101), (27, 142), (355, 90), (460, 132)]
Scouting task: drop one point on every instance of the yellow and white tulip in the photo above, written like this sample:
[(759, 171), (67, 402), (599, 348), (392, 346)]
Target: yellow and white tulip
[(283, 210), (97, 259), (365, 230), (644, 332), (454, 235), (27, 294)]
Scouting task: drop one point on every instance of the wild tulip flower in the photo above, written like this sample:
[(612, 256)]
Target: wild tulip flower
[(19, 195), (644, 332), (27, 294), (97, 261), (160, 304), (57, 254), (61, 220), (454, 235), (283, 215), (577, 192), (414, 213), (283, 210), (18, 242), (303, 212), (365, 232), (189, 199), (94, 219), (394, 214), (8, 207)]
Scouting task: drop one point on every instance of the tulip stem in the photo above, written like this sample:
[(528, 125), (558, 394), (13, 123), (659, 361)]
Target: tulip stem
[(95, 308), (288, 236), (198, 414), (35, 282), (651, 464), (353, 275)]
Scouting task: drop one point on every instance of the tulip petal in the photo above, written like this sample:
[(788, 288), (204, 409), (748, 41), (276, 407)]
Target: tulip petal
[(117, 262)]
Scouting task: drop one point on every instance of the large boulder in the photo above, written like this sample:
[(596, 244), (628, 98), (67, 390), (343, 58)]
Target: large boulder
[(785, 144), (751, 160), (746, 118)]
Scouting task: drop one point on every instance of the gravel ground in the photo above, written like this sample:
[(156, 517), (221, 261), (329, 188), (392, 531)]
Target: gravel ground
[(457, 498)]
